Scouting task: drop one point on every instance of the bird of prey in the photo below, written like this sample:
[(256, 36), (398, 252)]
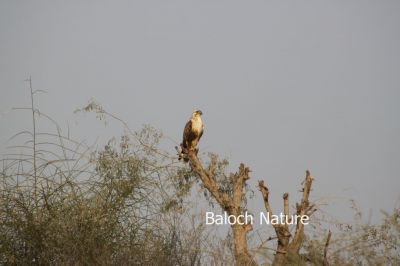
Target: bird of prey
[(191, 135)]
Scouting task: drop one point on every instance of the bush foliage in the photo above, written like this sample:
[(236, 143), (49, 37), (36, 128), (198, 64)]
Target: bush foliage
[(65, 203)]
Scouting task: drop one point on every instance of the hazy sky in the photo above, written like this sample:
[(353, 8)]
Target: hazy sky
[(284, 86)]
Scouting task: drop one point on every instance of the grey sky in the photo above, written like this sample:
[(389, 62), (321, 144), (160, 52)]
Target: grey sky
[(284, 85)]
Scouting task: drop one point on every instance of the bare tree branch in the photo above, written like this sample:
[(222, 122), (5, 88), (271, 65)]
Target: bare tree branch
[(326, 263), (231, 204)]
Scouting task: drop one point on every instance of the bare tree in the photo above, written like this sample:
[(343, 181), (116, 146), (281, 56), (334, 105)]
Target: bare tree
[(288, 244)]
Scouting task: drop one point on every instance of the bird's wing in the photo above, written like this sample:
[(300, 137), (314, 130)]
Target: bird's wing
[(186, 133)]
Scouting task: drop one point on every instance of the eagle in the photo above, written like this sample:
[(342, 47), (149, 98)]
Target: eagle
[(191, 135)]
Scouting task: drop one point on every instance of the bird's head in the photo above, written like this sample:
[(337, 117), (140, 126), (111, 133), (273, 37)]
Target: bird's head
[(197, 113)]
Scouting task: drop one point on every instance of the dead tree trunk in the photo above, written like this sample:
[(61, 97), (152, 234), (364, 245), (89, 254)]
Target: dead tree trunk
[(286, 245), (231, 203)]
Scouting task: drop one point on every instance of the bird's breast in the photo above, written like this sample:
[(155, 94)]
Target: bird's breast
[(197, 125)]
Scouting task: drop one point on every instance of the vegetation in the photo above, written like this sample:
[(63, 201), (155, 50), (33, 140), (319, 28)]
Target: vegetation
[(130, 203)]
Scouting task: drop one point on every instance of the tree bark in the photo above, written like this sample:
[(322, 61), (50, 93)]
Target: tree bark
[(242, 255)]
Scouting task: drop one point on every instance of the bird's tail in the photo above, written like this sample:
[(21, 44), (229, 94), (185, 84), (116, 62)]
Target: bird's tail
[(182, 154)]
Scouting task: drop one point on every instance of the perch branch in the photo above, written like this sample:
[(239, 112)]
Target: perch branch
[(209, 183)]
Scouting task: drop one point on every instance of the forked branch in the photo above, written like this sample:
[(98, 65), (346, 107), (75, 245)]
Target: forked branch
[(286, 246)]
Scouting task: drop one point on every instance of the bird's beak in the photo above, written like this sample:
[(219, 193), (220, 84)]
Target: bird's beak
[(199, 112)]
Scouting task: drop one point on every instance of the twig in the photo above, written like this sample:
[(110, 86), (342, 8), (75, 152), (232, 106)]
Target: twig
[(326, 263)]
